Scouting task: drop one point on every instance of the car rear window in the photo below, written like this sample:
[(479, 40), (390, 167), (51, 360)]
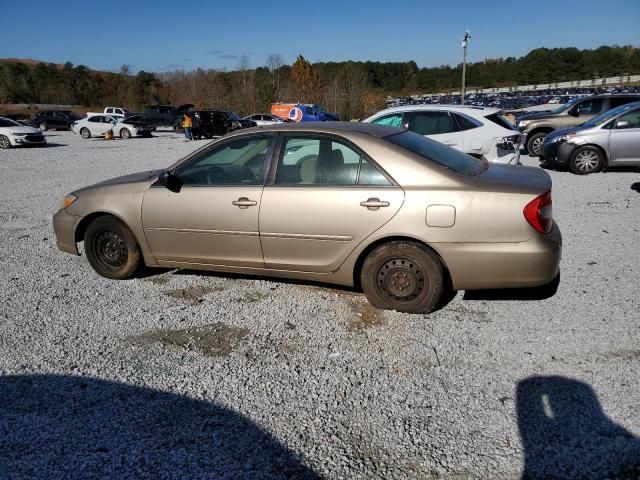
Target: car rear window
[(437, 152), (500, 120)]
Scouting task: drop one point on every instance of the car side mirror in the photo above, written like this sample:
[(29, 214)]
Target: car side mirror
[(574, 112), (170, 181), (622, 124)]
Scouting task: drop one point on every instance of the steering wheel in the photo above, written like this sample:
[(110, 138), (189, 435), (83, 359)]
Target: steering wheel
[(217, 175)]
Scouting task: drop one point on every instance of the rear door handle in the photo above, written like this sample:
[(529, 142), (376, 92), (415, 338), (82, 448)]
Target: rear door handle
[(374, 203), (244, 202)]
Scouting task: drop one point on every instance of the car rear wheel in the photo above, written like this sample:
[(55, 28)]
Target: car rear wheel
[(111, 248), (85, 133), (403, 276), (585, 160), (125, 133), (4, 142), (534, 144), (43, 127)]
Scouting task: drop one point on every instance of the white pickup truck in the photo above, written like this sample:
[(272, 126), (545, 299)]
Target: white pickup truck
[(115, 112)]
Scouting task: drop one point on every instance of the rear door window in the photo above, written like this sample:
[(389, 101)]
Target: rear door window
[(432, 123), (465, 123)]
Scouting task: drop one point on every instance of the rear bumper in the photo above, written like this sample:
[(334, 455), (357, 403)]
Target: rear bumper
[(64, 226), (532, 263)]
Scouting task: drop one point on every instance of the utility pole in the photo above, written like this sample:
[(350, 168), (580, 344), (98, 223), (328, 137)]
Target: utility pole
[(465, 40)]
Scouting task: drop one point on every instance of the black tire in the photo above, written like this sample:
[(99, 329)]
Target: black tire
[(4, 142), (43, 127), (534, 144), (586, 160), (111, 248), (85, 133), (403, 276), (125, 133)]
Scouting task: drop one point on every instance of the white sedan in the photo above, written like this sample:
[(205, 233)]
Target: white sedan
[(97, 125), (264, 119), (13, 134), (478, 131)]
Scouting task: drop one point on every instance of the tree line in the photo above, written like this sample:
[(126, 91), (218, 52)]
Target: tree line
[(353, 89)]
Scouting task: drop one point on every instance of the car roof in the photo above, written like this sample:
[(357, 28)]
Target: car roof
[(436, 106), (372, 129)]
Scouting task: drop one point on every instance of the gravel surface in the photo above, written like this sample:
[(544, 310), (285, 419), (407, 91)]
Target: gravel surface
[(189, 375)]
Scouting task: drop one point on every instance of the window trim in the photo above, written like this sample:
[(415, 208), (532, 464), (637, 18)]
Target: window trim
[(275, 159)]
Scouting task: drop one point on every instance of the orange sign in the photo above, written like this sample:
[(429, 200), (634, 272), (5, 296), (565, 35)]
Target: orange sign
[(282, 109)]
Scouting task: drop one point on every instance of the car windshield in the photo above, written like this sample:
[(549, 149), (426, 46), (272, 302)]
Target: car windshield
[(5, 122), (606, 116), (233, 115), (567, 105), (439, 153)]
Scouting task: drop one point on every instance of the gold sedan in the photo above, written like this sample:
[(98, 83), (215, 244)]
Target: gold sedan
[(383, 209)]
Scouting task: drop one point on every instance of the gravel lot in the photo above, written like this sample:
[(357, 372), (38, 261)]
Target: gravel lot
[(189, 375)]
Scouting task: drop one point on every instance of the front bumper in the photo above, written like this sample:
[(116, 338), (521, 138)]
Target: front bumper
[(64, 226), (34, 140), (558, 153)]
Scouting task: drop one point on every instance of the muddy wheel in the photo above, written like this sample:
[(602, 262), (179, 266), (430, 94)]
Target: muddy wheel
[(111, 248), (403, 276)]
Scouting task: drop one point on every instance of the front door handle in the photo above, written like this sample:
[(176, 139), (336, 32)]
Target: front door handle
[(374, 203), (244, 202)]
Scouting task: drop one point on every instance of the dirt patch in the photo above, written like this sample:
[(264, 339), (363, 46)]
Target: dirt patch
[(193, 294), (215, 340), (367, 317)]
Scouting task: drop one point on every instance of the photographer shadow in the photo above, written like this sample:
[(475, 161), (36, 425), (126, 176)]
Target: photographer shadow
[(565, 434), (54, 426)]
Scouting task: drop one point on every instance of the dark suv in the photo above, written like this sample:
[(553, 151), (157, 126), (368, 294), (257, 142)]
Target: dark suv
[(164, 115), (214, 123), (571, 114), (55, 119)]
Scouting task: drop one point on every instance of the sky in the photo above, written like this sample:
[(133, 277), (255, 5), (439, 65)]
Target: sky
[(161, 35)]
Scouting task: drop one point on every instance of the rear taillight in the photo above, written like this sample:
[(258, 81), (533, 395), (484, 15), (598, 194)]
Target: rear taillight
[(539, 213)]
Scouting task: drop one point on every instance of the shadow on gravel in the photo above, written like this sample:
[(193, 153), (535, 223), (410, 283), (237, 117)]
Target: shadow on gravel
[(636, 187), (536, 293), (565, 434), (77, 428)]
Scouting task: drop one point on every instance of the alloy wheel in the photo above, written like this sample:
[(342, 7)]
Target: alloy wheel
[(587, 161)]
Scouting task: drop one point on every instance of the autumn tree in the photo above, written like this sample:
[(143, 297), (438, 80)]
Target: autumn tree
[(305, 82)]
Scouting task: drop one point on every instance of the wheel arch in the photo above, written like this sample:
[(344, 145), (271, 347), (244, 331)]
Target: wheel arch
[(357, 268)]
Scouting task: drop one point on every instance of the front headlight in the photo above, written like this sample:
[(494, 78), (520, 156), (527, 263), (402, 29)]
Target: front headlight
[(559, 138), (20, 134), (68, 200)]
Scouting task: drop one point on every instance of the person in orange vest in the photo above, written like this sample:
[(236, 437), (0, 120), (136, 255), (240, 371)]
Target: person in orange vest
[(187, 125)]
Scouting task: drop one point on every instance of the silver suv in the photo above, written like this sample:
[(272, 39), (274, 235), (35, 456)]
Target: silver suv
[(608, 140), (571, 114)]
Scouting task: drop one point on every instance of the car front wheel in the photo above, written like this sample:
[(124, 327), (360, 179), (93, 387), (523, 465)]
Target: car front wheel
[(85, 133), (534, 144), (4, 142), (585, 160), (43, 127), (112, 249), (403, 276)]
